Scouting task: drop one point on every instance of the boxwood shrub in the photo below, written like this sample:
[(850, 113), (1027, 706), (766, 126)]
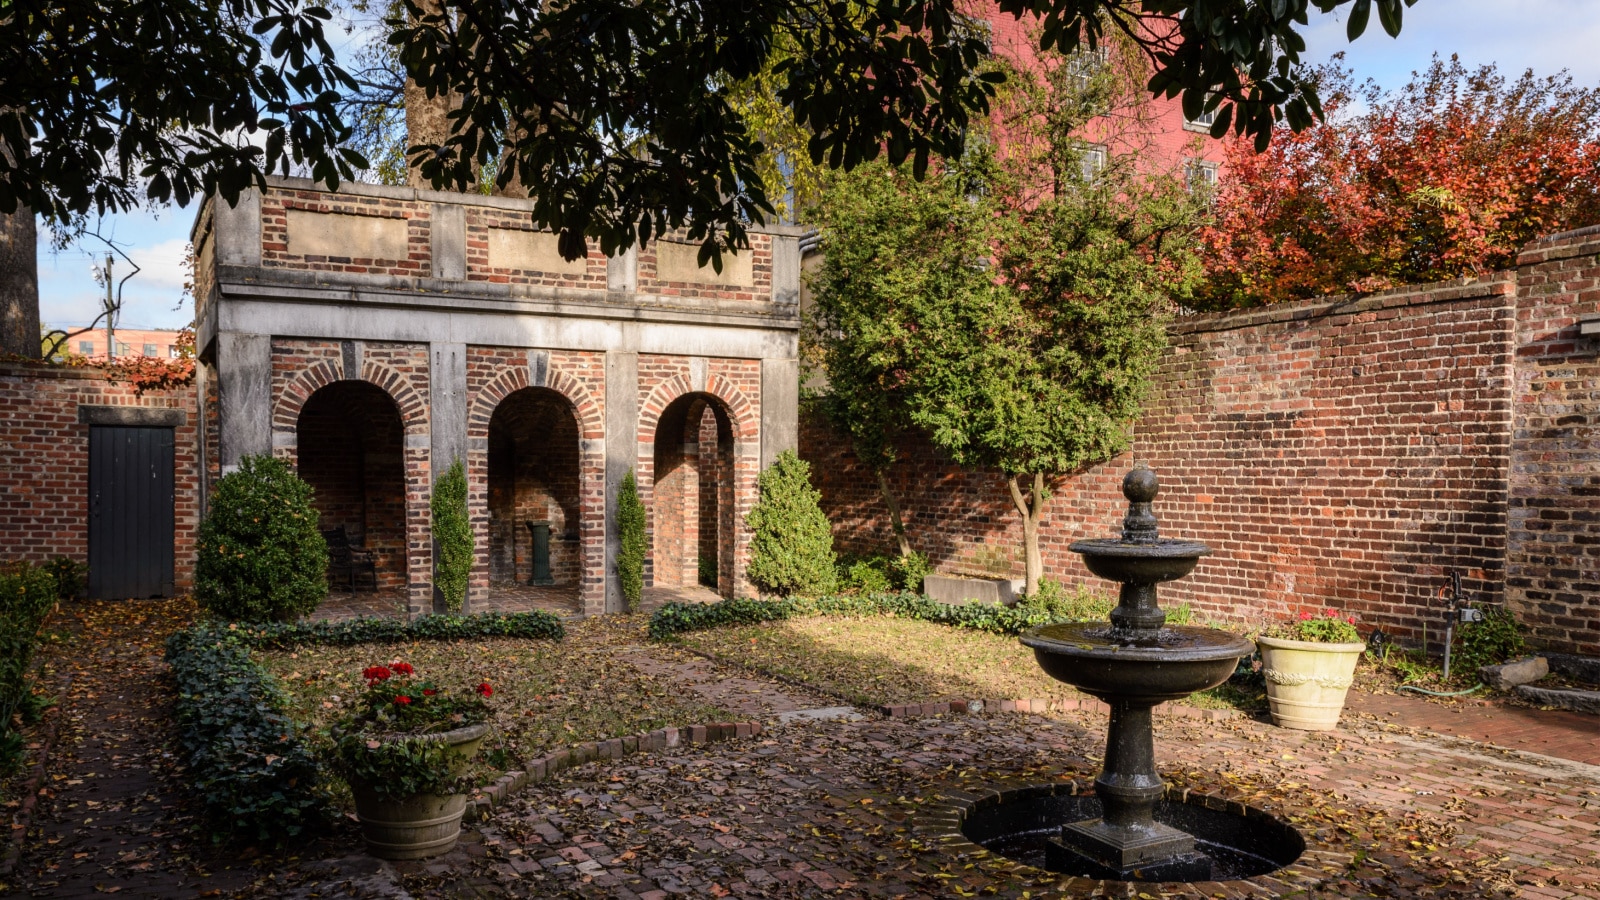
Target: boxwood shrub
[(247, 759), (378, 630), (680, 618)]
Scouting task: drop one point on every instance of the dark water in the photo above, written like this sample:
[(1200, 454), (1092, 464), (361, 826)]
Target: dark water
[(1238, 846), (1098, 635)]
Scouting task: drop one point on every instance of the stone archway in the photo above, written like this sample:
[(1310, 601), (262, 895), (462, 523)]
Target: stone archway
[(694, 536), (350, 447), (534, 478)]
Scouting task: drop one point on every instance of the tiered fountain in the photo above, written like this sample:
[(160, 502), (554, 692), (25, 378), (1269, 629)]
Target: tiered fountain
[(1134, 663)]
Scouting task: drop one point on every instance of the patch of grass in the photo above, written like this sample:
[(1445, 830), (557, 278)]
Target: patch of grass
[(548, 695), (882, 660)]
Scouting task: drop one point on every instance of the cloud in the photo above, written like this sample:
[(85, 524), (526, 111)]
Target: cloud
[(68, 294), (1543, 35)]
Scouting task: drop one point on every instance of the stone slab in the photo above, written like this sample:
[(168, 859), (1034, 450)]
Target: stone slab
[(535, 251), (347, 236), (1577, 701), (1508, 675), (959, 590), (1578, 668), (823, 714), (679, 262)]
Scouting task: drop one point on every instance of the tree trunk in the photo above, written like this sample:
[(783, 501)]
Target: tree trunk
[(1031, 507), (19, 284), (895, 522), (426, 124)]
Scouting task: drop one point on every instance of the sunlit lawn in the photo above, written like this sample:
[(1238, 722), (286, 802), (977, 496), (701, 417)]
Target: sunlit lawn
[(881, 660), (548, 695)]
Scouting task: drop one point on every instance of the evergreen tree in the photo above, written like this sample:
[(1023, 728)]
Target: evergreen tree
[(452, 537), (791, 551), (630, 533)]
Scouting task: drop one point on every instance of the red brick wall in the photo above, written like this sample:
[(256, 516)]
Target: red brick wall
[(1346, 454), (44, 463), (480, 219), (1553, 557)]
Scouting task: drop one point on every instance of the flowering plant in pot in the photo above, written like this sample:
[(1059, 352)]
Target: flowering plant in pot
[(402, 749), (1308, 665)]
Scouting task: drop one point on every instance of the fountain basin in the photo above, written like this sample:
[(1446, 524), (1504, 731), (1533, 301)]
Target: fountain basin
[(1178, 661), (1147, 563)]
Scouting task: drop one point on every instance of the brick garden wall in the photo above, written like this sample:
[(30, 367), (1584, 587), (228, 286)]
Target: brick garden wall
[(1349, 453), (1553, 553), (44, 463)]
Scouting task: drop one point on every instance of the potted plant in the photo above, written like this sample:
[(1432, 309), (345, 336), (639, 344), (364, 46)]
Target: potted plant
[(402, 750), (1308, 665)]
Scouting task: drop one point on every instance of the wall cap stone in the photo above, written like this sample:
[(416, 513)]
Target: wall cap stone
[(138, 416), (1497, 284)]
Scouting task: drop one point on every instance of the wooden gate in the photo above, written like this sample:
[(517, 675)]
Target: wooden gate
[(130, 512)]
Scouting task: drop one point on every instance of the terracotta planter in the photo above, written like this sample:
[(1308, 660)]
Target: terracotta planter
[(1307, 681), (420, 825)]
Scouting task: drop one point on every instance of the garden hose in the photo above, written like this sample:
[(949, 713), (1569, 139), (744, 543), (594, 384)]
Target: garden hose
[(1408, 687)]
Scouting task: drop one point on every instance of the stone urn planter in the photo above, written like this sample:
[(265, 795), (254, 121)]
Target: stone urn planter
[(1307, 680), (419, 825)]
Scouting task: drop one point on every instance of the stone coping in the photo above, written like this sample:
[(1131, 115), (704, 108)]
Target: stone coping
[(1496, 284), (938, 826)]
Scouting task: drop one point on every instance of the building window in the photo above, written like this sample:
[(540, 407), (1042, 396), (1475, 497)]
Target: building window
[(1200, 173), (173, 352), (1092, 161), (1083, 63), (124, 349), (149, 349), (86, 348)]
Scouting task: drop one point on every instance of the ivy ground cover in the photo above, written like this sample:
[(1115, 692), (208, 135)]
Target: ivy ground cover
[(548, 695)]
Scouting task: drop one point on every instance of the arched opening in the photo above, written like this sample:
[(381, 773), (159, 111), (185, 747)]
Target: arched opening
[(693, 501), (534, 493), (351, 450)]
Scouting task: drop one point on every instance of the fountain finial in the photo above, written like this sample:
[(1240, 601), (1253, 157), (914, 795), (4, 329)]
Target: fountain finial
[(1140, 486)]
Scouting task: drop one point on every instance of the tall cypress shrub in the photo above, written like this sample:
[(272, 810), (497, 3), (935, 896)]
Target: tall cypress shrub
[(452, 537), (630, 531), (791, 550)]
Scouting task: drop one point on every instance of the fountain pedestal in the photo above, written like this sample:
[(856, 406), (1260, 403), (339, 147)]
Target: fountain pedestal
[(1133, 664)]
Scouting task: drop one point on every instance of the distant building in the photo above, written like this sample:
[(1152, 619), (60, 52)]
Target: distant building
[(130, 342)]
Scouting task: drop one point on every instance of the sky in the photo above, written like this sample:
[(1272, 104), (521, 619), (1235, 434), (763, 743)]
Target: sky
[(1544, 35)]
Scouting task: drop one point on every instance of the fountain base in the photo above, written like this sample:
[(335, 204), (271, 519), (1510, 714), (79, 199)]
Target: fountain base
[(1154, 853)]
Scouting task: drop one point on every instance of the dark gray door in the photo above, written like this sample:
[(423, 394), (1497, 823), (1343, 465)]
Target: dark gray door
[(130, 512)]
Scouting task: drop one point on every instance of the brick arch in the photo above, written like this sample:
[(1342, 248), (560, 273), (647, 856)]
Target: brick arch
[(583, 407), (286, 409), (738, 408)]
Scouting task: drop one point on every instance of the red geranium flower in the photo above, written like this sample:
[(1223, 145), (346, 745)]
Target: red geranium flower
[(403, 700), (403, 668), (376, 673), (428, 692), (1305, 616), (485, 690)]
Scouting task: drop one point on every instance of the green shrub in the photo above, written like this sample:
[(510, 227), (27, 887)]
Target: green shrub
[(247, 759), (681, 618), (1052, 601), (259, 557), (791, 548), (865, 574), (380, 630), (630, 535), (27, 594), (909, 571), (1489, 641), (69, 575), (452, 537)]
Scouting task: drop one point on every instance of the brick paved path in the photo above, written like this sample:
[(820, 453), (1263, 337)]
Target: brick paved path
[(1550, 732)]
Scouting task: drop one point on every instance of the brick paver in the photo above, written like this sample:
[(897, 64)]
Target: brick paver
[(1550, 732)]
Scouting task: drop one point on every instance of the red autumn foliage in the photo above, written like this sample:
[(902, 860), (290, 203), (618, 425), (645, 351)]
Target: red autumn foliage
[(151, 373), (1447, 177)]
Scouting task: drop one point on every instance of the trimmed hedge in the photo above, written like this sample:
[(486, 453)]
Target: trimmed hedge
[(27, 594), (247, 759), (680, 618), (378, 630)]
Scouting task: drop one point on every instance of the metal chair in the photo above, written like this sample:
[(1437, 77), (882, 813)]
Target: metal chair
[(348, 560)]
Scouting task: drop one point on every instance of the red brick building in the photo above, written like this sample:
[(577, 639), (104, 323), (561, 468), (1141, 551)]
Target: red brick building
[(372, 335), (155, 343)]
